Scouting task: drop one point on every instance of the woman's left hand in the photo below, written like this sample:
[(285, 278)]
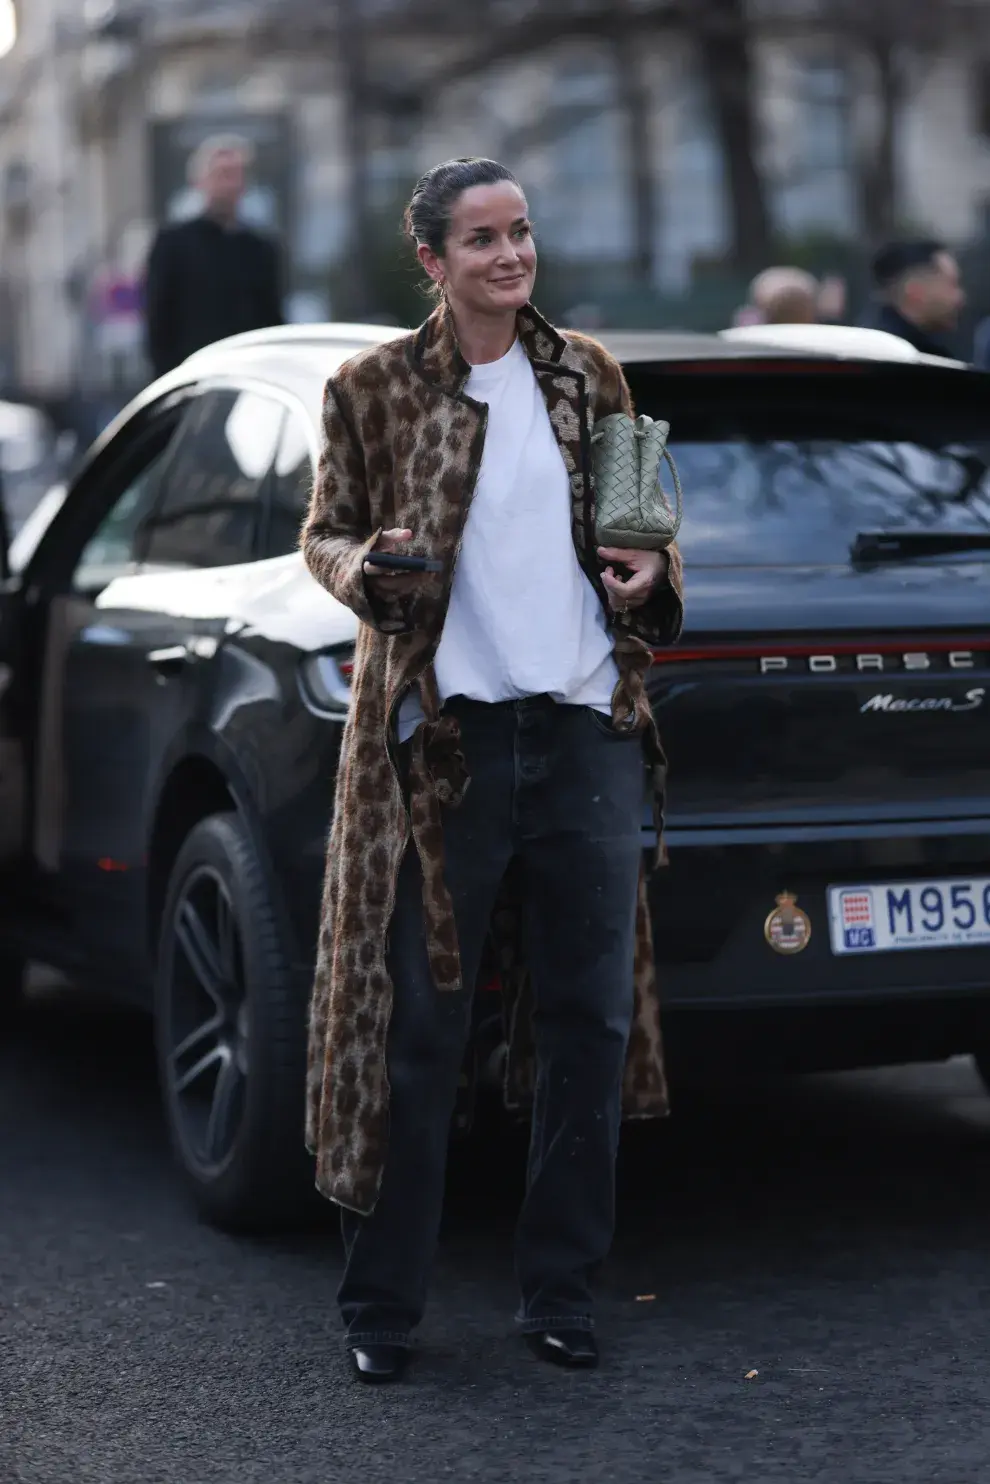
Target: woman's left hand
[(648, 568)]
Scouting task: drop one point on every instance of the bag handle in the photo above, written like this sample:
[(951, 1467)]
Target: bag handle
[(678, 496)]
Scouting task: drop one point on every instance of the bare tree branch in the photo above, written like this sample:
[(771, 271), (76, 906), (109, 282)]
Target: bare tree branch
[(548, 25)]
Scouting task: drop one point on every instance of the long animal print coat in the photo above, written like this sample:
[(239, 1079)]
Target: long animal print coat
[(402, 446)]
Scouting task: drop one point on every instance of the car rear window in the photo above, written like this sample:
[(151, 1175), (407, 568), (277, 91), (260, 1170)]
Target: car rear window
[(785, 471)]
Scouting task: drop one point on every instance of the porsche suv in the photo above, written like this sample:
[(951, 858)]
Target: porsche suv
[(173, 686)]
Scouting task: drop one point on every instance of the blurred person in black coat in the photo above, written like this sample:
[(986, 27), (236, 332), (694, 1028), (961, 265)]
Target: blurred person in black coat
[(918, 294), (212, 276)]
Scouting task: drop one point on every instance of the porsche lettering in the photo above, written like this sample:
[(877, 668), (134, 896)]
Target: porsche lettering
[(830, 664)]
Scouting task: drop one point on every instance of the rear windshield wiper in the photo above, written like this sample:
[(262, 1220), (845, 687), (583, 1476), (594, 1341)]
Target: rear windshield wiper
[(898, 546)]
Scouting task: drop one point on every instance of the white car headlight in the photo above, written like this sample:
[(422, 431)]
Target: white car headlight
[(325, 681)]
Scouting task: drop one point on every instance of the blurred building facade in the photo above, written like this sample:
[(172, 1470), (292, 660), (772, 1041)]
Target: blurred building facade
[(102, 102)]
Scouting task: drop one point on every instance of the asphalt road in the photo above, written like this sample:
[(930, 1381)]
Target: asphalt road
[(830, 1235)]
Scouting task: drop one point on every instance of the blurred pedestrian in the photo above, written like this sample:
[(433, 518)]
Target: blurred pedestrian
[(212, 276), (785, 296), (517, 668), (832, 299), (918, 293), (790, 296)]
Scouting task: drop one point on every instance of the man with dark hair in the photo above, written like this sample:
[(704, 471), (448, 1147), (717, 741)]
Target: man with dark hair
[(920, 293), (212, 276)]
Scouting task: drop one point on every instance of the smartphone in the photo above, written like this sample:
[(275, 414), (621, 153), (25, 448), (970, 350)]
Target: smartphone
[(394, 562)]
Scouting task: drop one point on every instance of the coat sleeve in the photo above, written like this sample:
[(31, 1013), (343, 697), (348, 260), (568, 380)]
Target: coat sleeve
[(159, 302), (661, 618), (338, 533)]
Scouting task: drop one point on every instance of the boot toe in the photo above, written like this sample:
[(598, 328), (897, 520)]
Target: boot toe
[(375, 1364), (574, 1349)]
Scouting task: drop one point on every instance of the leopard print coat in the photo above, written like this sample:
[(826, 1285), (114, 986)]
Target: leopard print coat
[(402, 446)]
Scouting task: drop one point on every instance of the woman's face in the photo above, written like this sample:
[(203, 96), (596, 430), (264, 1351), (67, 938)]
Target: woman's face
[(488, 264)]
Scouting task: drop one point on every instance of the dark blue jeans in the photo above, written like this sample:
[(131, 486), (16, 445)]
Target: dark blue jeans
[(556, 789)]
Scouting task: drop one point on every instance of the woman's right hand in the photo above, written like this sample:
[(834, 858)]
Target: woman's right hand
[(392, 584)]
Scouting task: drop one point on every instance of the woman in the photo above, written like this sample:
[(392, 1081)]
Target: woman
[(517, 669)]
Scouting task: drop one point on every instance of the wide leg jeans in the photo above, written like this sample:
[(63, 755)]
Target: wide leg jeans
[(555, 789)]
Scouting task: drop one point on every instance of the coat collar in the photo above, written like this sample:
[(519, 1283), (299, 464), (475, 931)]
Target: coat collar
[(437, 356)]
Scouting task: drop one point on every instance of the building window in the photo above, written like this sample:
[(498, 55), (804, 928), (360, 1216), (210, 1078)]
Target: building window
[(694, 180), (825, 112), (582, 210), (816, 192)]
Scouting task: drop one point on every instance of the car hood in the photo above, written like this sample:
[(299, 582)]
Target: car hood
[(277, 600)]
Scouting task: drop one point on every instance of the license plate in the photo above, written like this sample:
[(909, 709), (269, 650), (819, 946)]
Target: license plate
[(910, 914)]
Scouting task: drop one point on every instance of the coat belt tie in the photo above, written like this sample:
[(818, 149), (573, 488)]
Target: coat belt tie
[(438, 776)]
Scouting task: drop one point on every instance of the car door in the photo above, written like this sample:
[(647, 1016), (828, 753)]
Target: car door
[(27, 463), (128, 644), (18, 702)]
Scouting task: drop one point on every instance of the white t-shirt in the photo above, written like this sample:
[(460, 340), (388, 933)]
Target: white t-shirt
[(523, 618)]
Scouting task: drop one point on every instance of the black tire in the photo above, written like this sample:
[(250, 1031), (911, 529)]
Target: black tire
[(13, 980), (236, 1123)]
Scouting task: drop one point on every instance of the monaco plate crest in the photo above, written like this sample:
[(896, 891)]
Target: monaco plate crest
[(788, 928)]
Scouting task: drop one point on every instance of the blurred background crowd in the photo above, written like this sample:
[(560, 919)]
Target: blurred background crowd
[(672, 150)]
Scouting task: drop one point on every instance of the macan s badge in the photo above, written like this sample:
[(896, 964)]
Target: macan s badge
[(887, 704)]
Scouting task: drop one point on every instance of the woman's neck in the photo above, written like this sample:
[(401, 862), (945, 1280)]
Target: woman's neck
[(483, 339)]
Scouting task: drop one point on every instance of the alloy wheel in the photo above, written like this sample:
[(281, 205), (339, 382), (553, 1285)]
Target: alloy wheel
[(207, 1021)]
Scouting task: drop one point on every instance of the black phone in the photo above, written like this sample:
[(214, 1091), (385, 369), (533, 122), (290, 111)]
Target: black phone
[(394, 562)]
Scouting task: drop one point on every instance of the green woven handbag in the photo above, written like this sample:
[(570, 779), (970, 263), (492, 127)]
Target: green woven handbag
[(631, 509)]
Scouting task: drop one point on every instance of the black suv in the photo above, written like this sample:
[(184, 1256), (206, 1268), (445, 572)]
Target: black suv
[(174, 684)]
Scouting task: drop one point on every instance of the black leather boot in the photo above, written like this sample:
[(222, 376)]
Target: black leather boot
[(575, 1349), (376, 1364)]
